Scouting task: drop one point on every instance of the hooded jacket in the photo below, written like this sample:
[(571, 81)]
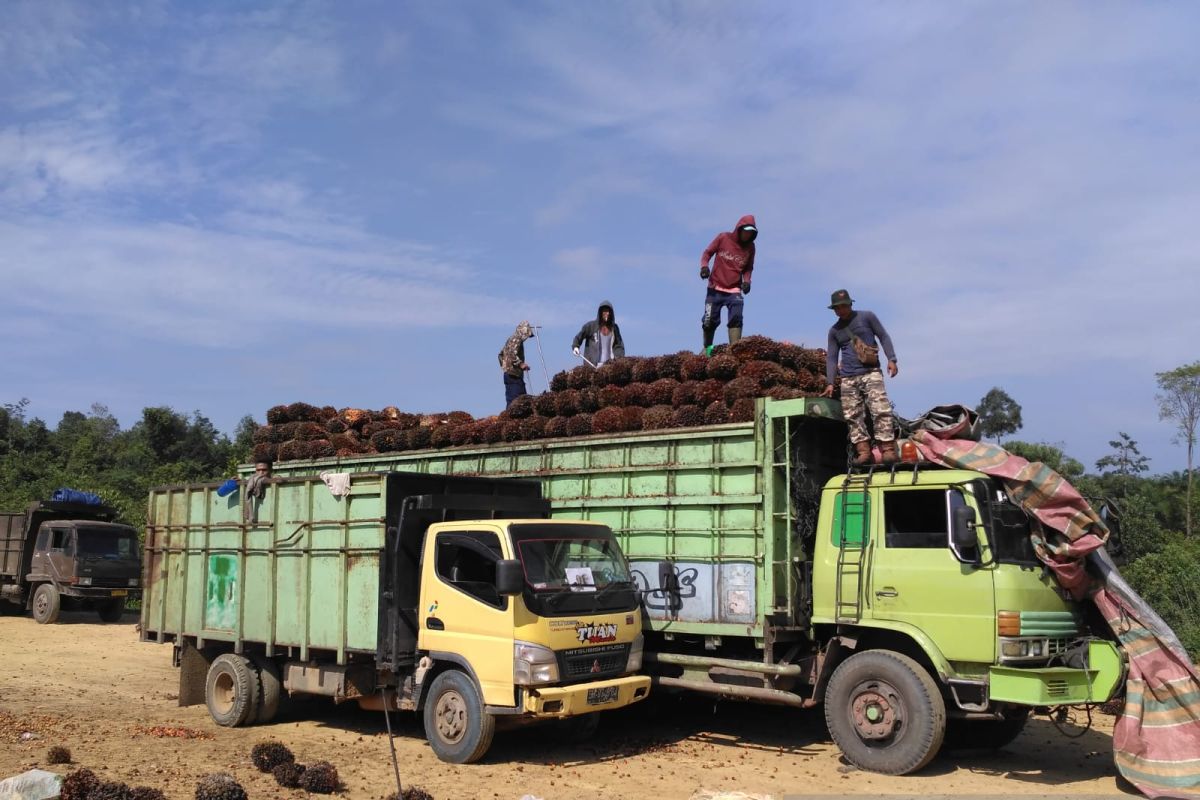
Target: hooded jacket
[(589, 336), (512, 356), (734, 260)]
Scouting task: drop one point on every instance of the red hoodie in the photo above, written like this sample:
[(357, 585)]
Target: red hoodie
[(735, 261)]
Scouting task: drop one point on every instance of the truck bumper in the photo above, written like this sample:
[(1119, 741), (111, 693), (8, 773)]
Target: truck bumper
[(99, 593), (1060, 686), (568, 701)]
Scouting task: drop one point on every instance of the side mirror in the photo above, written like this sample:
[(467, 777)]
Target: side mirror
[(962, 535), (510, 577)]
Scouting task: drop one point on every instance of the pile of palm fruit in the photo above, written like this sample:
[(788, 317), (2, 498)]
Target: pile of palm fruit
[(681, 390)]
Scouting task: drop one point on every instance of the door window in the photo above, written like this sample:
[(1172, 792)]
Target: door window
[(467, 561), (919, 518), (60, 538)]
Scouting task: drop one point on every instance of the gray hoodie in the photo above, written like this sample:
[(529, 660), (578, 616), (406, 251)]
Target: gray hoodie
[(589, 336)]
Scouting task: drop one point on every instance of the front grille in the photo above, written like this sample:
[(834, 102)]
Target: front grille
[(592, 663), (1056, 687)]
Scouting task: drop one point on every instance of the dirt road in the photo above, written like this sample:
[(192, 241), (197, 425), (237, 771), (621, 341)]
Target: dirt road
[(108, 697)]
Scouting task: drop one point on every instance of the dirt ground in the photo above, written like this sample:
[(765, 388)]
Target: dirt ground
[(110, 698)]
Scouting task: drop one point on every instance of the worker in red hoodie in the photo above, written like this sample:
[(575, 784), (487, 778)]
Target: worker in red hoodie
[(729, 278)]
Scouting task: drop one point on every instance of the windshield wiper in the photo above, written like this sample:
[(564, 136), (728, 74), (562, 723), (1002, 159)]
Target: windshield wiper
[(608, 587)]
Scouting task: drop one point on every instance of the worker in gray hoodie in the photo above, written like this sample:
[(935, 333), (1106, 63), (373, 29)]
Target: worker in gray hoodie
[(600, 337)]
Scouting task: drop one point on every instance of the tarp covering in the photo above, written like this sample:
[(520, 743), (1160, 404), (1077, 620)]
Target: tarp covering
[(1156, 740)]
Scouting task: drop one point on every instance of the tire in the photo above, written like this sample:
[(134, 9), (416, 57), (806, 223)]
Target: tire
[(577, 730), (457, 727), (962, 734), (271, 686), (46, 604), (231, 691), (112, 610), (885, 712)]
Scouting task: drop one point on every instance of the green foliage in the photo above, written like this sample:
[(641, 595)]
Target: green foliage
[(1053, 457), (999, 414), (1125, 462), (1169, 580), (90, 452)]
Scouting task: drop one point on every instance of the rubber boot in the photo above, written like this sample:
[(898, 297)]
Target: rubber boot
[(735, 335), (862, 453), (887, 453), (708, 340)]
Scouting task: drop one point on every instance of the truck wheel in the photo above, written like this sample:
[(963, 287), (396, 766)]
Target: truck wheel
[(46, 604), (232, 691), (271, 686), (885, 712), (576, 730), (962, 734), (456, 725), (112, 610)]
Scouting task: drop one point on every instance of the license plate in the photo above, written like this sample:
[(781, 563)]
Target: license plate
[(601, 695), (119, 592)]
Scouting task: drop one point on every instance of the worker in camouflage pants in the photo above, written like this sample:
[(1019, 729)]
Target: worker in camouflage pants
[(852, 354)]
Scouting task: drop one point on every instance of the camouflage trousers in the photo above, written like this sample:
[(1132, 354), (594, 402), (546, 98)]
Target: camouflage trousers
[(863, 393)]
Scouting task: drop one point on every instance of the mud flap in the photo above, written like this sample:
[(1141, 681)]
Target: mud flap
[(193, 672)]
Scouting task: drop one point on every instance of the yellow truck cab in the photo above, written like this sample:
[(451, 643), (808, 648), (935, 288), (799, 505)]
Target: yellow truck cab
[(537, 617), (454, 597)]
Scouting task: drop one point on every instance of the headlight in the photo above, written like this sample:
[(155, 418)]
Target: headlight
[(533, 664), (635, 654), (1014, 648), (85, 581), (133, 581)]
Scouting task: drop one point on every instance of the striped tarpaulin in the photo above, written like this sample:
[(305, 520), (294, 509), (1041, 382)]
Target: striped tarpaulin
[(1156, 740)]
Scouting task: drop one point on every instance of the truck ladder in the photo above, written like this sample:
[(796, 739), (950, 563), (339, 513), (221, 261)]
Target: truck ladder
[(851, 553)]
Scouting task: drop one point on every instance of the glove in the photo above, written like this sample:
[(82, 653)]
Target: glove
[(704, 273), (575, 350), (745, 287)]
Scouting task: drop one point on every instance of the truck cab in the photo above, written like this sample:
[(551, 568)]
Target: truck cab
[(58, 556), (937, 565)]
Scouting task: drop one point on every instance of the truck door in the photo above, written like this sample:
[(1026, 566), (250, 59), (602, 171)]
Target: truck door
[(916, 579), (54, 553), (461, 612)]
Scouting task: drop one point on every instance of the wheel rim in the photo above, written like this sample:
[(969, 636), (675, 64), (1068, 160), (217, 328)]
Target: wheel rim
[(223, 693), (877, 711), (41, 604), (451, 715)]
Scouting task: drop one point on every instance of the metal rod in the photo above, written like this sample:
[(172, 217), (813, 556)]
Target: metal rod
[(391, 742), (774, 696), (786, 670), (542, 356)]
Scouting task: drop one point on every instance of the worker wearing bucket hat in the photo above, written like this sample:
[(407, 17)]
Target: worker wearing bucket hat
[(732, 254), (852, 354)]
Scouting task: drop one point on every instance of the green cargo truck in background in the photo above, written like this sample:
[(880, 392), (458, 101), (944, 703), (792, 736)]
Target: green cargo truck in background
[(454, 597), (904, 600)]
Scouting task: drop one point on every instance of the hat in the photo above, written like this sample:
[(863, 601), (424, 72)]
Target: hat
[(840, 298)]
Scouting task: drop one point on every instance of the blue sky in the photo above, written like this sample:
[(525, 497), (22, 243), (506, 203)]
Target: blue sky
[(225, 206)]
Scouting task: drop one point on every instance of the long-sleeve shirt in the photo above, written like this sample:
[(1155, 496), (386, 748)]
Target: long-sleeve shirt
[(734, 261), (866, 326)]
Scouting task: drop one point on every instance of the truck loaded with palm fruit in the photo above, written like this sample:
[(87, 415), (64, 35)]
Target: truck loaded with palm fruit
[(450, 596), (906, 601)]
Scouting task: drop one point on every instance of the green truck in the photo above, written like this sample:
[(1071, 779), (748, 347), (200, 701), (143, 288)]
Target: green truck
[(451, 596), (905, 600)]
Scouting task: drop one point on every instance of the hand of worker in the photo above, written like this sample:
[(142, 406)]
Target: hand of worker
[(575, 350), (827, 391), (892, 368), (745, 287), (704, 273), (525, 367)]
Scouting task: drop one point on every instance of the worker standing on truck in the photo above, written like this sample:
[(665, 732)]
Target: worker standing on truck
[(853, 354), (729, 278), (600, 337), (512, 363)]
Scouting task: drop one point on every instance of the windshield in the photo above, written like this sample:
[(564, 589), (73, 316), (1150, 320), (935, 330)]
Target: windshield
[(107, 543), (572, 568)]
